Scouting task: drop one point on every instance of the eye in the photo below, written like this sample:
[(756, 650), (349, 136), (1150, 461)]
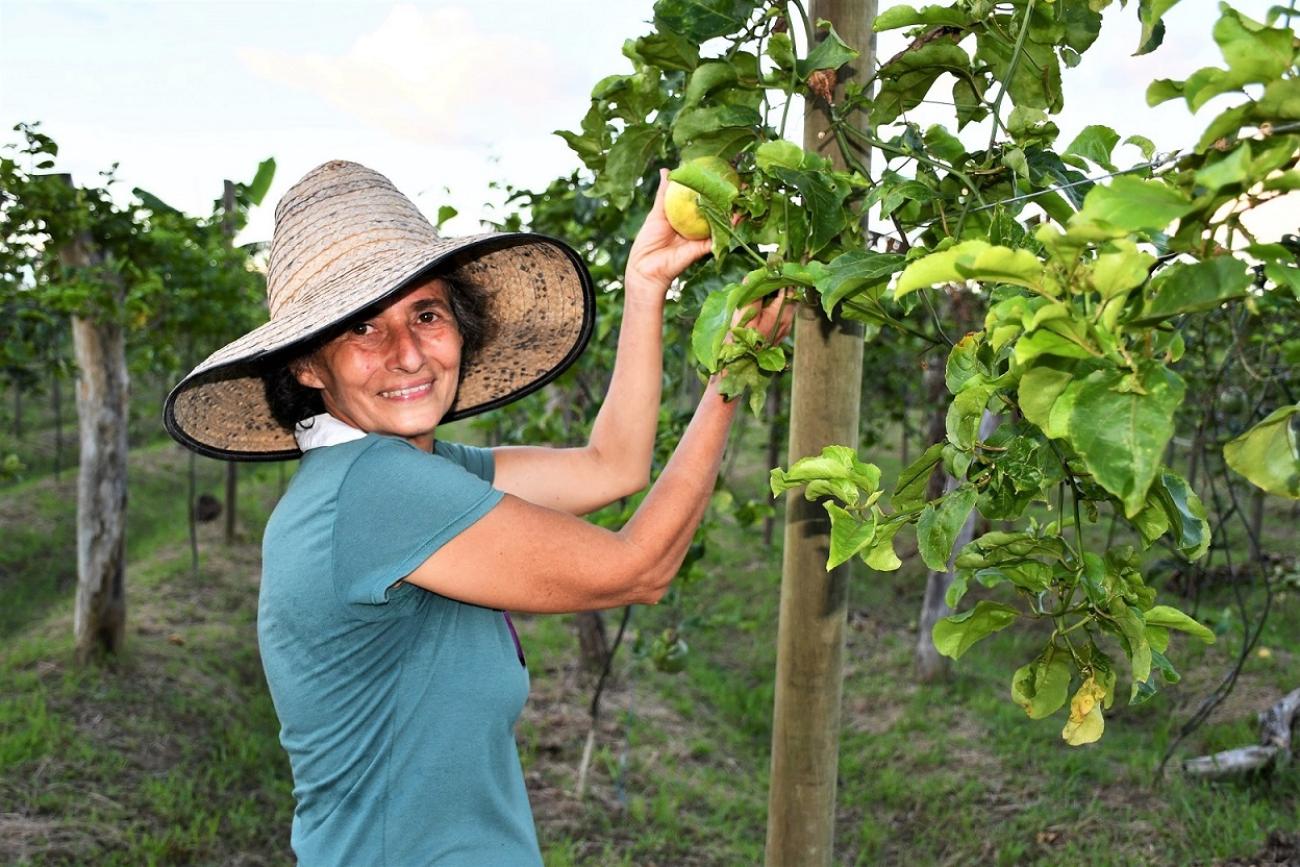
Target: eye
[(361, 329), (428, 317)]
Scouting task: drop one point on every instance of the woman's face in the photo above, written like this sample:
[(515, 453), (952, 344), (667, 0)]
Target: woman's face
[(397, 371)]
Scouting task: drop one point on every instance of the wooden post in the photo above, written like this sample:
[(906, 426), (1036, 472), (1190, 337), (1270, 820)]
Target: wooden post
[(824, 403), (232, 468), (99, 620)]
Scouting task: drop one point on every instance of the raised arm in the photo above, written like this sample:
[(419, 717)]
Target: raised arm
[(615, 462), (523, 557)]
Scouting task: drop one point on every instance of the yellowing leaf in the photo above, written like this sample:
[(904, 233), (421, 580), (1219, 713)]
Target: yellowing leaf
[(1085, 724)]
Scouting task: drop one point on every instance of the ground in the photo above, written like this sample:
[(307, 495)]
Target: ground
[(168, 754)]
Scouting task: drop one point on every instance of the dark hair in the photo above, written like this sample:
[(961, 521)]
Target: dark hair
[(291, 401)]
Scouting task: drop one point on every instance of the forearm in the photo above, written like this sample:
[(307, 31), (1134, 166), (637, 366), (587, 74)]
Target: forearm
[(667, 519), (623, 435)]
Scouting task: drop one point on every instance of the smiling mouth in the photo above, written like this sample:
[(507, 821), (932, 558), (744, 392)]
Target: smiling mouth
[(408, 392)]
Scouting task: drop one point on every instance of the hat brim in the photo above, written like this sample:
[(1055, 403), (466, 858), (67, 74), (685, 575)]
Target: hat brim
[(541, 303)]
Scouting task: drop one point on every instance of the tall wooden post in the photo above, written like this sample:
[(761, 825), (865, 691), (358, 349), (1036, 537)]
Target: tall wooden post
[(99, 620), (824, 404), (232, 468)]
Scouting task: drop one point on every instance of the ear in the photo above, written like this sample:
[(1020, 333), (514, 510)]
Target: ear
[(304, 370)]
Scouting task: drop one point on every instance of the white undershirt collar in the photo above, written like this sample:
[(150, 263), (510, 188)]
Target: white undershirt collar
[(324, 430)]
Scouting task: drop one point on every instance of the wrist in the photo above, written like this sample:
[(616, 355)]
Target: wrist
[(645, 290)]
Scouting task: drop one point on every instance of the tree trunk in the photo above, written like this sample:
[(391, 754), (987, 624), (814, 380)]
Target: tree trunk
[(593, 644), (1273, 752), (56, 399), (824, 409), (774, 436), (1256, 536)]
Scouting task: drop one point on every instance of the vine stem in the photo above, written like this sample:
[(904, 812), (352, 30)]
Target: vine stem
[(837, 121), (1016, 54)]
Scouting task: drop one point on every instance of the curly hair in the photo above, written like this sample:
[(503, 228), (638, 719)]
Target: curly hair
[(291, 401)]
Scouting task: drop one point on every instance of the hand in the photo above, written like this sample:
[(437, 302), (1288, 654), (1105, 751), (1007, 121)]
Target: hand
[(659, 254)]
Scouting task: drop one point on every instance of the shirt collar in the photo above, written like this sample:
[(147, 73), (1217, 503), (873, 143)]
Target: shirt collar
[(324, 430)]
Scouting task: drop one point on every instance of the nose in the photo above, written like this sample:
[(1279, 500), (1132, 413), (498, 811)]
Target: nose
[(404, 353)]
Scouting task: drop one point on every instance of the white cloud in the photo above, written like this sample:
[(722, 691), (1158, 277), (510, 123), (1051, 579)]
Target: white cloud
[(432, 76)]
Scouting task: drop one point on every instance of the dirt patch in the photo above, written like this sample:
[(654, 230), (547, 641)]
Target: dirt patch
[(1281, 850)]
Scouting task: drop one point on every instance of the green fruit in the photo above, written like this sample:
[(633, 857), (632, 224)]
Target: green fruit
[(682, 204), (669, 652)]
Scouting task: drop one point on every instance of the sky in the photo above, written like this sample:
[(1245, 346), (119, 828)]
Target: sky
[(442, 97)]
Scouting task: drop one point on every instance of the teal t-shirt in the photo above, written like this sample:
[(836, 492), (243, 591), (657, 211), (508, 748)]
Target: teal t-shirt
[(397, 706)]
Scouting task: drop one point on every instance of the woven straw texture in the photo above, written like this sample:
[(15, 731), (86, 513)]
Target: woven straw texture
[(344, 239)]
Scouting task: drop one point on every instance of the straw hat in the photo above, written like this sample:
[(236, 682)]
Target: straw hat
[(345, 238)]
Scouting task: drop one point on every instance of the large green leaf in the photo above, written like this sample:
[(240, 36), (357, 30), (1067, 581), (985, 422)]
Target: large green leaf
[(1120, 424), (1132, 205), (1149, 14), (627, 162), (700, 20), (829, 53), (257, 188), (909, 16), (1042, 686), (1185, 512), (836, 472), (1268, 454), (937, 529), (954, 635), (1171, 618), (1041, 385), (913, 481), (849, 535), (853, 273), (823, 201), (1131, 625), (711, 326), (1094, 144), (906, 79), (1189, 288)]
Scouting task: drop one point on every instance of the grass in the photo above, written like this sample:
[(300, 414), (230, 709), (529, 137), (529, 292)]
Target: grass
[(169, 754)]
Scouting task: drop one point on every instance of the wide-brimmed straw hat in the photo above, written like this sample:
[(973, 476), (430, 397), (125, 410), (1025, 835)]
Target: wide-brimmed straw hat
[(344, 239)]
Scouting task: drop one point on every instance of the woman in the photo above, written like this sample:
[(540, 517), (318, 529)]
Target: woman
[(392, 555)]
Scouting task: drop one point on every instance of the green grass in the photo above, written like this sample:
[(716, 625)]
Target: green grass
[(169, 754)]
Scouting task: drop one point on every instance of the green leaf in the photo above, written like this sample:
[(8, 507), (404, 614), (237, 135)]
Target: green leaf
[(1121, 268), (823, 201), (694, 123), (849, 535), (627, 162), (1268, 454), (1163, 90), (836, 472), (954, 635), (707, 78), (962, 421), (1132, 205), (908, 16), (1232, 168), (829, 53), (445, 213), (913, 481), (1185, 512), (1149, 14), (850, 274), (1041, 385), (937, 528), (962, 363), (1042, 686), (666, 50), (1095, 144), (1189, 288), (711, 326), (907, 78), (701, 20), (1120, 424), (880, 554), (782, 153), (1254, 53), (972, 260), (1171, 618), (261, 182), (1133, 628), (709, 181)]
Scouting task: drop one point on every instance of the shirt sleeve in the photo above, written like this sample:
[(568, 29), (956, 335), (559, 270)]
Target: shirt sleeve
[(397, 505), (477, 460)]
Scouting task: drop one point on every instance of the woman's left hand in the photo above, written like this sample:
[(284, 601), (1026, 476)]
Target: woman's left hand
[(659, 254)]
